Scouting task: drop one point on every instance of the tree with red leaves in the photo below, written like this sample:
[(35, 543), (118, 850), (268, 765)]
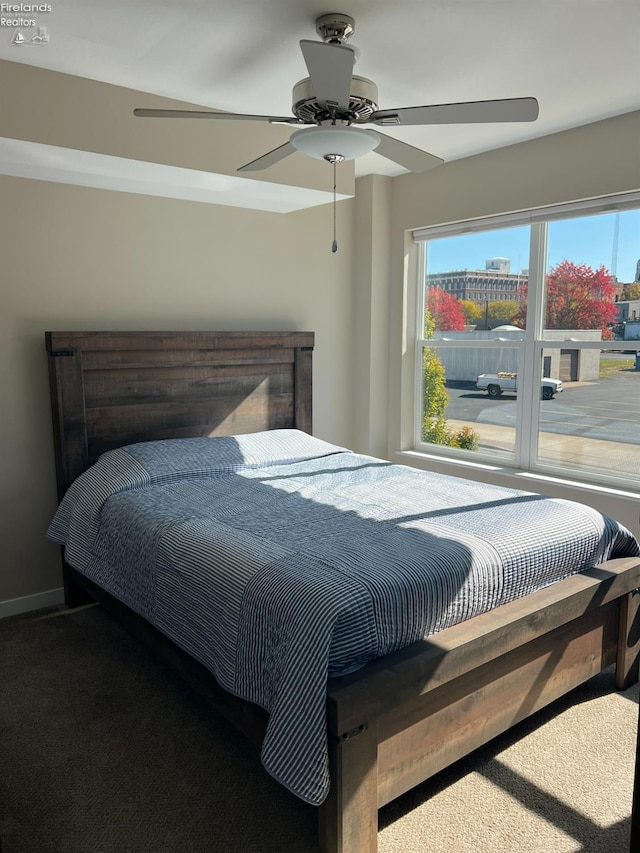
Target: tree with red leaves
[(445, 310), (577, 297)]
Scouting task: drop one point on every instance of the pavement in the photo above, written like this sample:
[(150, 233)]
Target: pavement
[(570, 450), (573, 432)]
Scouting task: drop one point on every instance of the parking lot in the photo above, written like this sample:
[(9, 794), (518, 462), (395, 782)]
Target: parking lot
[(607, 409)]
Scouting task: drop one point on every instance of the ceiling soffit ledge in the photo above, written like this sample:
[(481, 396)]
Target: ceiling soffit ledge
[(70, 113)]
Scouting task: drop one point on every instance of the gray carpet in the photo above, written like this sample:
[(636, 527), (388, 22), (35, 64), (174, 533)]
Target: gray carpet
[(103, 750)]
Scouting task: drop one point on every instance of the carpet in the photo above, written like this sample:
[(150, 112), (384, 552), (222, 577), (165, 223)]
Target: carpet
[(104, 750)]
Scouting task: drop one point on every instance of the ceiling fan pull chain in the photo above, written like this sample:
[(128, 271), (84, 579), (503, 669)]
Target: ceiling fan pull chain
[(334, 245)]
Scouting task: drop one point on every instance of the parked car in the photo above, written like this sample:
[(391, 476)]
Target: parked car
[(495, 383)]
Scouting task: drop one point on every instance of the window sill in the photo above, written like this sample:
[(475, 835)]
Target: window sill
[(511, 477)]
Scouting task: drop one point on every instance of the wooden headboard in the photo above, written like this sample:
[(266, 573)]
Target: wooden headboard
[(109, 389)]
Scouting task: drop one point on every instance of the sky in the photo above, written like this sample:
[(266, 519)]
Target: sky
[(592, 240)]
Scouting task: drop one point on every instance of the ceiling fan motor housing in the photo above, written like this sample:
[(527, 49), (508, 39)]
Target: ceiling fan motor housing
[(363, 100), (335, 28)]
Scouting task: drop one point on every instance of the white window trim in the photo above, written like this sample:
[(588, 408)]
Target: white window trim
[(525, 461)]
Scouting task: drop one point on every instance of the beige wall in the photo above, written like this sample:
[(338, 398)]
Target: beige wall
[(79, 258), (370, 363), (594, 160)]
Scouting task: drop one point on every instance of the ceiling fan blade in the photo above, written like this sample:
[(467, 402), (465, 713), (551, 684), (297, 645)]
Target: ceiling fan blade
[(269, 159), (144, 113), (508, 109), (414, 159), (330, 68)]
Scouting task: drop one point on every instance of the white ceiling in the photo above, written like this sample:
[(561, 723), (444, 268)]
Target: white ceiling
[(579, 58)]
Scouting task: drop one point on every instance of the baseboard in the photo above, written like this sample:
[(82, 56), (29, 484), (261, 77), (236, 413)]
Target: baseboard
[(14, 606)]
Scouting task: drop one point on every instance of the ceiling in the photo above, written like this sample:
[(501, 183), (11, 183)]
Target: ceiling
[(577, 57)]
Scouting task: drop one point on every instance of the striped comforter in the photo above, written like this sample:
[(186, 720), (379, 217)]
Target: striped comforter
[(278, 560)]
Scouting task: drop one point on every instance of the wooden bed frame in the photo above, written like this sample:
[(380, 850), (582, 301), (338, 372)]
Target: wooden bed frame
[(404, 717)]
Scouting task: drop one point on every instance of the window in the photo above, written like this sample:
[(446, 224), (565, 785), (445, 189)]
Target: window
[(545, 377)]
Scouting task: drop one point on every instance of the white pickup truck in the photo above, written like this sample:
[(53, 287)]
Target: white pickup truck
[(495, 383)]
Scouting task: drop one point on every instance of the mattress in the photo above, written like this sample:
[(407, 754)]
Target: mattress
[(279, 560)]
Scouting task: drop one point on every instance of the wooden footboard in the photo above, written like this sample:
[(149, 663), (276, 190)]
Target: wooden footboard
[(407, 716), (404, 717)]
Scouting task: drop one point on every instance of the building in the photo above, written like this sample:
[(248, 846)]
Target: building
[(628, 309), (627, 327), (568, 364), (494, 282)]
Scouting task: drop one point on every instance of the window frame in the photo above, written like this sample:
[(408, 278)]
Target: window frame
[(525, 457)]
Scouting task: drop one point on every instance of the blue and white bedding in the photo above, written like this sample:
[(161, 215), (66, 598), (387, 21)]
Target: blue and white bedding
[(278, 560)]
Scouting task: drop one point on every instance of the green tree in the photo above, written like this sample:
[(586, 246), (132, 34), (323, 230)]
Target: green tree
[(631, 291), (472, 311), (436, 398), (495, 313), (502, 312)]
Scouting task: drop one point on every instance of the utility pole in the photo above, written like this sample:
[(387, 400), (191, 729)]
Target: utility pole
[(614, 247)]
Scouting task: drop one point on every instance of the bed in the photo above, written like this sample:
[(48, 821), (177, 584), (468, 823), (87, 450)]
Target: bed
[(389, 702)]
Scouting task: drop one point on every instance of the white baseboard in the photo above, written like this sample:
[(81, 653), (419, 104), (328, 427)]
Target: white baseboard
[(14, 606)]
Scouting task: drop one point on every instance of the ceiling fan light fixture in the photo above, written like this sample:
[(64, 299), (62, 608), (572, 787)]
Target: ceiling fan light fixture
[(327, 141)]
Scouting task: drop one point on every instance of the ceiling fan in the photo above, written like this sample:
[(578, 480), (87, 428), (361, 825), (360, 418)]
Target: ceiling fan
[(331, 105)]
